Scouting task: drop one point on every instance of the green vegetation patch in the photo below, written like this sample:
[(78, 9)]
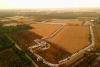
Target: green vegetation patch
[(9, 58), (9, 29), (4, 42)]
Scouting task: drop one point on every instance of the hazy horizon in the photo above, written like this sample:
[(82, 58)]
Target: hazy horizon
[(48, 4)]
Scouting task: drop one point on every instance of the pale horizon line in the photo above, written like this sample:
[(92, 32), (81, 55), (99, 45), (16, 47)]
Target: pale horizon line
[(75, 8)]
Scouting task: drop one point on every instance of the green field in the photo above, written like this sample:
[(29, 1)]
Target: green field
[(4, 42), (9, 58)]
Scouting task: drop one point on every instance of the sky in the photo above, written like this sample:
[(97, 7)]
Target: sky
[(35, 4)]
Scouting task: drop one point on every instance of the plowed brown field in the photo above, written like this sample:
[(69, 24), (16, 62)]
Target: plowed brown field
[(97, 36), (43, 26), (25, 38), (53, 54), (44, 30), (72, 38), (67, 21)]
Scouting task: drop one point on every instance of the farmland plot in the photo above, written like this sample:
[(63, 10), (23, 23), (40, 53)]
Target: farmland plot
[(44, 30), (54, 54), (72, 38), (24, 38), (97, 36), (67, 21)]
